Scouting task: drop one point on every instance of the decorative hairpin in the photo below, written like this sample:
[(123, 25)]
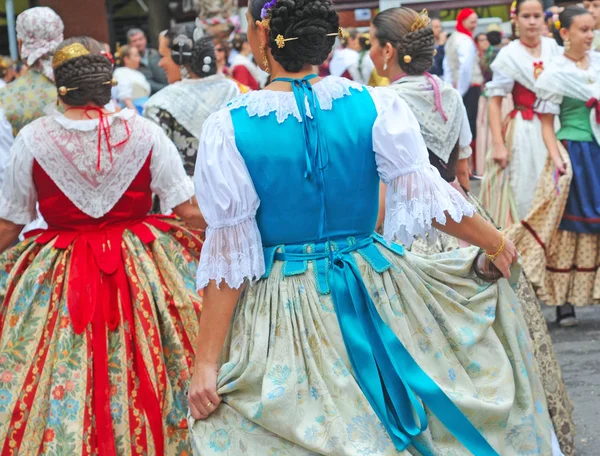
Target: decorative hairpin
[(63, 91), (280, 40), (556, 20), (421, 21)]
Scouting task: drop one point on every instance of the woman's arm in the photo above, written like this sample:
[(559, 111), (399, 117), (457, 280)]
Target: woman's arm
[(381, 214), (9, 233), (495, 120), (551, 142), (190, 213), (462, 173), (217, 310), (477, 231)]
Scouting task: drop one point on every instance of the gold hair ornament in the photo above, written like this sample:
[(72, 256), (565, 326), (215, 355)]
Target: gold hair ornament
[(280, 40), (63, 91), (407, 59), (72, 51), (557, 24), (422, 21)]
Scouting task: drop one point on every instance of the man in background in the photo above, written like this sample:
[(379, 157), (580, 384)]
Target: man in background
[(150, 58), (440, 38)]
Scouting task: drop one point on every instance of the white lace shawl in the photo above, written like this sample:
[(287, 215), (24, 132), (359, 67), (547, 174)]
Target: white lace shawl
[(67, 151), (191, 101), (416, 196), (440, 135), (515, 64), (562, 79)]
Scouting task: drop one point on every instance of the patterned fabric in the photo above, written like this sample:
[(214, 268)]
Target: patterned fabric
[(559, 402), (186, 143), (291, 390), (25, 99), (47, 368), (563, 266), (41, 31)]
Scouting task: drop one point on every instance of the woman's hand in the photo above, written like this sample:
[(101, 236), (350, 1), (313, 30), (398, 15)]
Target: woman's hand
[(507, 257), (202, 396), (500, 155), (560, 165)]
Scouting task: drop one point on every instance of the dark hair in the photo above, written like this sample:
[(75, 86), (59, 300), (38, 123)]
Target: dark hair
[(90, 74), (204, 61), (180, 39), (393, 26), (310, 21), (365, 42), (238, 40), (494, 37), (566, 20), (480, 35)]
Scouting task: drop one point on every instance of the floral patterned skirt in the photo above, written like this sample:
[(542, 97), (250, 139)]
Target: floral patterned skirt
[(48, 381), (557, 397), (288, 387)]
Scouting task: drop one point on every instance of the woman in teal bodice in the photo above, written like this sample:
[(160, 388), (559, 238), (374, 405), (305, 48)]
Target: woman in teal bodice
[(317, 335), (560, 239)]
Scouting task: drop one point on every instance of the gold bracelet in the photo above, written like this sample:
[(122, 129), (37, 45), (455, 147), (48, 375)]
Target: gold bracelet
[(493, 257)]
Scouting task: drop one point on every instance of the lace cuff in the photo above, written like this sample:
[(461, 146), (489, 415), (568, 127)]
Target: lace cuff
[(414, 200), (176, 195), (491, 92), (232, 253), (16, 213)]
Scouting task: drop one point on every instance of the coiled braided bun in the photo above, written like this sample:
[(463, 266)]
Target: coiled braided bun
[(394, 26), (204, 61), (310, 21), (89, 74)]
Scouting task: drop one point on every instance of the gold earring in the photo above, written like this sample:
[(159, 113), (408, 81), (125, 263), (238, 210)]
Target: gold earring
[(567, 44), (264, 59)]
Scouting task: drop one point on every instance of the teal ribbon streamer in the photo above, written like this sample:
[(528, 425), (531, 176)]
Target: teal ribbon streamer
[(316, 154), (390, 378)]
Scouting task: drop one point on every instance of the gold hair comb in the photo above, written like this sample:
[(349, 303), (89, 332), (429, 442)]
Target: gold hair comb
[(67, 53), (421, 21)]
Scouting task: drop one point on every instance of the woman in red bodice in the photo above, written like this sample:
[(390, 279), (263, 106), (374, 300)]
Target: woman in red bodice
[(99, 311), (518, 154)]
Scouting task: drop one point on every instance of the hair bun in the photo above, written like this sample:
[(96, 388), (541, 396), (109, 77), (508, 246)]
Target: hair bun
[(416, 50)]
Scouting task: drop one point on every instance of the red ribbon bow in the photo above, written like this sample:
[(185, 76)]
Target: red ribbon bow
[(104, 127), (594, 103)]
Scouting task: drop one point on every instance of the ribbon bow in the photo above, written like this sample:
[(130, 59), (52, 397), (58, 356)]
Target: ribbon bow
[(594, 103)]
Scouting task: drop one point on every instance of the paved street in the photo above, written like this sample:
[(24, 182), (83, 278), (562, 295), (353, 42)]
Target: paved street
[(578, 351)]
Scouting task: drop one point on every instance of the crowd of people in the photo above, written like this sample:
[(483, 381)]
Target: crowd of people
[(267, 242)]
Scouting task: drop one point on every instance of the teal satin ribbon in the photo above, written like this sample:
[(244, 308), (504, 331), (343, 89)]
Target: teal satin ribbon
[(390, 378), (316, 154)]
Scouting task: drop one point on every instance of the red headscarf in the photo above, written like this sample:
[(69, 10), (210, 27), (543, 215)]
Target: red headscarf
[(465, 13)]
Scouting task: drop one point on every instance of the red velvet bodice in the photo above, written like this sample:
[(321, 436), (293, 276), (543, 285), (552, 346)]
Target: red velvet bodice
[(60, 213)]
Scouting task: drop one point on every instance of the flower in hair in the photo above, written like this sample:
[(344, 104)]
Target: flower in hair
[(265, 12), (513, 8)]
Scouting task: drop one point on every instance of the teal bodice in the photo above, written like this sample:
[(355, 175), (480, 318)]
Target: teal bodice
[(335, 189)]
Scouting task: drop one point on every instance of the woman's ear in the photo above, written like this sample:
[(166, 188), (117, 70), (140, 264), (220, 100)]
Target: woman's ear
[(389, 52), (564, 34), (263, 33)]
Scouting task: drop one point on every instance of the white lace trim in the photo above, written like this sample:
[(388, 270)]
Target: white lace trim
[(233, 254), (88, 124), (15, 213), (70, 158), (264, 102), (415, 200)]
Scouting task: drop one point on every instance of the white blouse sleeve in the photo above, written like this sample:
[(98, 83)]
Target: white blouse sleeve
[(6, 142), (548, 102), (18, 198), (465, 137), (500, 86), (233, 249), (169, 180), (416, 193), (467, 52)]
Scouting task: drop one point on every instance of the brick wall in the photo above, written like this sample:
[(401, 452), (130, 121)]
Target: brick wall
[(81, 17)]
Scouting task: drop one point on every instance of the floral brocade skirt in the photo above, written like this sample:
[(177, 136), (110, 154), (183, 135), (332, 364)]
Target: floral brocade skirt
[(51, 376), (557, 397), (288, 386)]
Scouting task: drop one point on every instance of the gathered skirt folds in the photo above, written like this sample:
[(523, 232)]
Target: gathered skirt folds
[(507, 194), (557, 397), (288, 386), (560, 239), (52, 378)]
